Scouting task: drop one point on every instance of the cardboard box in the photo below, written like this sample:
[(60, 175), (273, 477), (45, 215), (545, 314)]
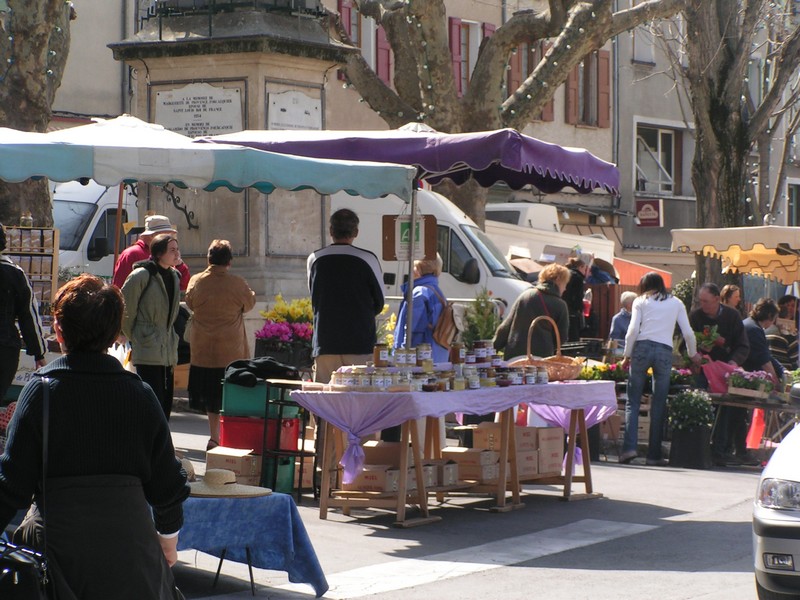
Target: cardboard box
[(245, 464), (487, 435), (431, 476), (308, 472), (527, 463), (609, 429), (644, 428), (446, 471), (379, 478), (551, 449), (470, 456), (479, 473), (180, 376), (385, 453)]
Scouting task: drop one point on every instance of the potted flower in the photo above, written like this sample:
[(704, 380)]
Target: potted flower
[(691, 416), (287, 330), (755, 384)]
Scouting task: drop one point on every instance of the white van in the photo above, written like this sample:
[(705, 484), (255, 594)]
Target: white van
[(471, 260), (86, 216), (531, 230)]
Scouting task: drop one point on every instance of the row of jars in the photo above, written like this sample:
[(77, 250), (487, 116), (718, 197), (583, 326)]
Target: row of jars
[(462, 377), (482, 353)]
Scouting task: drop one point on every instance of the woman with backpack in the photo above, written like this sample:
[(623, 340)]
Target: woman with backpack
[(152, 300), (429, 302)]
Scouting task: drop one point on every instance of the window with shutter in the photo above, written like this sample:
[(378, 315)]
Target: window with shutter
[(383, 54), (588, 91), (455, 51)]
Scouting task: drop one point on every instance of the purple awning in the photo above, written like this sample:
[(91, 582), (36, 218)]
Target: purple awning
[(490, 157)]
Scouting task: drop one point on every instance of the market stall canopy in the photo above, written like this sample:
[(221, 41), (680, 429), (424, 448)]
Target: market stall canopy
[(490, 157), (770, 251), (128, 149), (630, 272)]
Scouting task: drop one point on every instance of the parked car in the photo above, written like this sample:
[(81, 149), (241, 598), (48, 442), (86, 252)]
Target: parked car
[(776, 523)]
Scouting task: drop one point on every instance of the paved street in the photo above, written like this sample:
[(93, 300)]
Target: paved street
[(659, 533)]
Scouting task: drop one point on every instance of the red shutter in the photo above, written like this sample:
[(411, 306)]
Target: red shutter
[(603, 88), (345, 6), (571, 96), (383, 57), (455, 50), (515, 72), (549, 109), (488, 29)]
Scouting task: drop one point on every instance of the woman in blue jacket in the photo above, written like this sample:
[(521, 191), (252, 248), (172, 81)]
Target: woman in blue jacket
[(428, 305)]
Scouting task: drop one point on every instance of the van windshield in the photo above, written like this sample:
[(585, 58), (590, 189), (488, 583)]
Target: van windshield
[(71, 219), (490, 253)]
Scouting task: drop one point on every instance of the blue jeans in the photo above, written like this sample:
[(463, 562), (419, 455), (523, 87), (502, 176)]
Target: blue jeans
[(647, 354)]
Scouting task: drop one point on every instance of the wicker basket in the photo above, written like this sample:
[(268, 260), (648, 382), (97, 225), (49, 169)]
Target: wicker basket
[(559, 368)]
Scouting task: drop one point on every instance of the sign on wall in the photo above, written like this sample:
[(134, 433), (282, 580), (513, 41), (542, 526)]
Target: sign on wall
[(199, 109), (650, 212), (293, 110)]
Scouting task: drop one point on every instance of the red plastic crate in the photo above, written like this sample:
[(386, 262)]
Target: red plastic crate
[(248, 433)]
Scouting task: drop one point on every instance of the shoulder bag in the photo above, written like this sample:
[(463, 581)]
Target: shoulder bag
[(23, 570), (445, 330)]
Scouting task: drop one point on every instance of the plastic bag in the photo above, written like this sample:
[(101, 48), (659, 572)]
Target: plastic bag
[(122, 352)]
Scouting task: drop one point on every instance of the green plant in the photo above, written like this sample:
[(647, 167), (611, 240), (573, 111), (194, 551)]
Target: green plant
[(481, 317), (690, 410), (684, 291)]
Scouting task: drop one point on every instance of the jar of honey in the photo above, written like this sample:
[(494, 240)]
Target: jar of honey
[(380, 355)]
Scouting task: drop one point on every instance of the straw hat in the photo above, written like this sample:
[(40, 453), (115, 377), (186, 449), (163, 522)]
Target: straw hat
[(222, 483), (189, 468), (157, 224)]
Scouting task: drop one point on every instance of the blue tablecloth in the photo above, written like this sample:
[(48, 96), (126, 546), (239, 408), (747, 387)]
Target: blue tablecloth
[(269, 525)]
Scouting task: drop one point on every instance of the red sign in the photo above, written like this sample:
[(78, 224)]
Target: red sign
[(650, 212)]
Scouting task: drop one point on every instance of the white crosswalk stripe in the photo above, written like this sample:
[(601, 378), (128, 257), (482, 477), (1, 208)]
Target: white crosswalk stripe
[(412, 572)]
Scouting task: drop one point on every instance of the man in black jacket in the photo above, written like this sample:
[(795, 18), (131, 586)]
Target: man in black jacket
[(17, 313), (346, 284)]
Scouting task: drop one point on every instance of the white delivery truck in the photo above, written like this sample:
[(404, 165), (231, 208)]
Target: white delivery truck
[(86, 217), (531, 230), (471, 260)]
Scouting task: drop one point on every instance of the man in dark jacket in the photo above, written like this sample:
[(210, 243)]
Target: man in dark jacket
[(733, 347), (17, 313), (346, 285)]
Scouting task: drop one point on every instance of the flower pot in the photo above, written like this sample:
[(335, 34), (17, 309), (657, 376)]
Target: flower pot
[(691, 449), (294, 354)]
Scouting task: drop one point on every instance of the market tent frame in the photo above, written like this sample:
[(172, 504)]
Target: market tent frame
[(770, 251)]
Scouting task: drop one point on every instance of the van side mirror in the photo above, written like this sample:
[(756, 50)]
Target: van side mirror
[(471, 273), (98, 249)]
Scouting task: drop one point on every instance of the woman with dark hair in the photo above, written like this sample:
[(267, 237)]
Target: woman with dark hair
[(152, 300), (579, 267), (217, 337), (110, 461), (648, 344)]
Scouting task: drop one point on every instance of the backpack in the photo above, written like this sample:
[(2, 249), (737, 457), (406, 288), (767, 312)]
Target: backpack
[(445, 330)]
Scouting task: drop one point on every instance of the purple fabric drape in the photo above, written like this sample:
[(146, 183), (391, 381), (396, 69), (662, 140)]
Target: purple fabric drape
[(361, 413), (485, 156)]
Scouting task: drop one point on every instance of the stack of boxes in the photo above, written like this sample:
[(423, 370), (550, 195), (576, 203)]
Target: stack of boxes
[(242, 441), (540, 452)]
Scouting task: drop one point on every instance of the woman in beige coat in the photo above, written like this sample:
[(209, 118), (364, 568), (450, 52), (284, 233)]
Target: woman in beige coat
[(217, 335)]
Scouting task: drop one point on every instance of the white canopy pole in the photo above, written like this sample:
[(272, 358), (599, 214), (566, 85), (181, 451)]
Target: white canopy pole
[(410, 286)]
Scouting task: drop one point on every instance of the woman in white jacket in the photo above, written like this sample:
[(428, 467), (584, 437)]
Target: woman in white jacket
[(648, 344)]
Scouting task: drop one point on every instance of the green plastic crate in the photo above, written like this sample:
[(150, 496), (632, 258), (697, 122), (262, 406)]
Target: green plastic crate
[(285, 481), (241, 401)]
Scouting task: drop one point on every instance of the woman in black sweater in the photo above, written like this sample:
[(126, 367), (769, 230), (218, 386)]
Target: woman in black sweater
[(110, 460)]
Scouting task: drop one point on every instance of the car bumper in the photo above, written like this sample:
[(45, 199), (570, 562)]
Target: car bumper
[(776, 532)]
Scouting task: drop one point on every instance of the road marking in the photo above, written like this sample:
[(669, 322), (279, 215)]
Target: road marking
[(412, 572)]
